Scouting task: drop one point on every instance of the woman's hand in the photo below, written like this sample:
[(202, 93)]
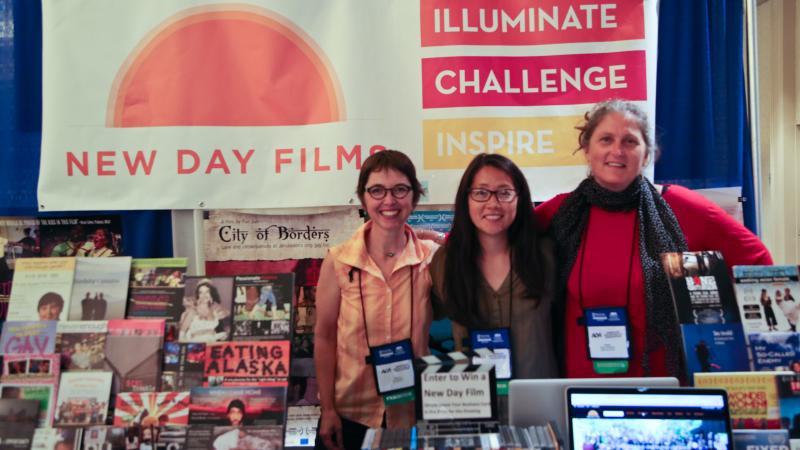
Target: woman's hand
[(330, 430), (429, 235)]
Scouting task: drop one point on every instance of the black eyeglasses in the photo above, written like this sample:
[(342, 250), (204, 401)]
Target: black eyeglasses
[(483, 195), (378, 192)]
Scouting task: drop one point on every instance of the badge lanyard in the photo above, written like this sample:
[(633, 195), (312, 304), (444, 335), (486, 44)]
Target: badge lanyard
[(607, 328), (498, 339), (392, 362)]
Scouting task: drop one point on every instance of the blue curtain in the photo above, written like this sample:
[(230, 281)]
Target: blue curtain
[(700, 110), (145, 233), (701, 113)]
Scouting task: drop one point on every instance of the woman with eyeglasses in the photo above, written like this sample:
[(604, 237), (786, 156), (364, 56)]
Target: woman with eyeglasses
[(494, 277), (373, 293)]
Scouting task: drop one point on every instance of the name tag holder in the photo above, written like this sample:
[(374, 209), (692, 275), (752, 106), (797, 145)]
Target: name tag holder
[(607, 338), (498, 340), (393, 368)]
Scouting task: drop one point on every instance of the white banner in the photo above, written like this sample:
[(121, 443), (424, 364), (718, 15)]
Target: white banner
[(238, 236), (193, 104)]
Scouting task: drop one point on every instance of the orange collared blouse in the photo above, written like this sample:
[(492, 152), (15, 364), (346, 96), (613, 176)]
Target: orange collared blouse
[(388, 318)]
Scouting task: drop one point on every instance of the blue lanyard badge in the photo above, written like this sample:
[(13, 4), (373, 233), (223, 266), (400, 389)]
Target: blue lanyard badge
[(607, 336), (394, 371), (499, 341)]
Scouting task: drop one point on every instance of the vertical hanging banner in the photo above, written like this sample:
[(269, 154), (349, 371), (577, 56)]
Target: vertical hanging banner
[(193, 104)]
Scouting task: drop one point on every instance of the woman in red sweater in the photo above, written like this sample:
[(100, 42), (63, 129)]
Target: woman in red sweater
[(610, 232)]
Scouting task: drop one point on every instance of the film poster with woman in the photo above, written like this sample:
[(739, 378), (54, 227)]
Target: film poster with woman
[(766, 296)]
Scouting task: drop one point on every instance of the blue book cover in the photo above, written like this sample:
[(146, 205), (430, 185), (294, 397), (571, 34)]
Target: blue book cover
[(761, 439), (775, 351), (714, 348)]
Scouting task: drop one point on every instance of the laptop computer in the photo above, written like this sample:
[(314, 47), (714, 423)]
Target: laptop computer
[(647, 418), (537, 402)]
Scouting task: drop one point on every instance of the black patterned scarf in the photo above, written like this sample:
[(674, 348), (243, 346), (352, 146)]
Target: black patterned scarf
[(659, 233)]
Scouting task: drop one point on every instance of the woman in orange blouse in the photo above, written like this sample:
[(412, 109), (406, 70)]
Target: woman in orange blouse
[(373, 290)]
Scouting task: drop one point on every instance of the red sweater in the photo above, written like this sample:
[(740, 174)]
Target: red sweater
[(607, 257)]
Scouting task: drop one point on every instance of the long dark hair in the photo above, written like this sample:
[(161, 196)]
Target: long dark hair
[(461, 273)]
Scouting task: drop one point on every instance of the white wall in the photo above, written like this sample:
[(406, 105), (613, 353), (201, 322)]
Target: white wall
[(778, 40)]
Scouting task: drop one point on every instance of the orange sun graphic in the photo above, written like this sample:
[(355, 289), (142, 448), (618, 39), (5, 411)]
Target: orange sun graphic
[(225, 65)]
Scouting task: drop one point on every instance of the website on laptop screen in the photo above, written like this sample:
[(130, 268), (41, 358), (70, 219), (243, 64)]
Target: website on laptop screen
[(632, 419)]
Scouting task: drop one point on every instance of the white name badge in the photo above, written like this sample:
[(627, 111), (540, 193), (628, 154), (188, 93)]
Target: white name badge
[(499, 341), (393, 365), (607, 333)]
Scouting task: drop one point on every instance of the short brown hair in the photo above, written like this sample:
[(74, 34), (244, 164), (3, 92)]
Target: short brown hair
[(51, 298), (384, 160)]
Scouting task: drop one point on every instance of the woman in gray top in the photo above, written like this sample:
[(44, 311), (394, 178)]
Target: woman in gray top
[(495, 275)]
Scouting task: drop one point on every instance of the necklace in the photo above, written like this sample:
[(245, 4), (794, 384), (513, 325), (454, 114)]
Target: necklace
[(390, 254)]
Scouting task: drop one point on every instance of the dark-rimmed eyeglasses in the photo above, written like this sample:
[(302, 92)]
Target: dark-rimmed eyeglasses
[(483, 195), (378, 192)]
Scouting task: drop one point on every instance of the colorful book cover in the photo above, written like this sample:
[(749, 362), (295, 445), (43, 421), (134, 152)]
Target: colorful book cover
[(184, 366), (57, 439), (234, 406), (92, 236), (108, 438), (171, 408), (247, 363), (149, 436), (100, 288), (42, 392), (262, 306), (767, 297), (789, 399), (752, 396), (83, 399), (305, 310), (19, 238), (705, 304), (133, 354), (301, 426), (260, 437), (156, 291), (205, 313), (82, 344), (42, 288), (28, 337), (775, 350), (761, 439), (18, 419), (35, 368)]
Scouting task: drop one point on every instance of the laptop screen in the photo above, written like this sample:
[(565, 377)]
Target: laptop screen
[(633, 418)]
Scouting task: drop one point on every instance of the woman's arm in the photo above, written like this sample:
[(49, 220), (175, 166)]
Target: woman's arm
[(328, 301), (459, 335), (186, 319), (708, 227)]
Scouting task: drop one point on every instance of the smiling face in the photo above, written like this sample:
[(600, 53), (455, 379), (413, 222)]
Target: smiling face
[(100, 238), (617, 152), (389, 213), (492, 217)]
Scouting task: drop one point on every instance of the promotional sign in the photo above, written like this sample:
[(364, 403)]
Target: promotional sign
[(247, 362), (242, 236), (456, 395), (194, 104)]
